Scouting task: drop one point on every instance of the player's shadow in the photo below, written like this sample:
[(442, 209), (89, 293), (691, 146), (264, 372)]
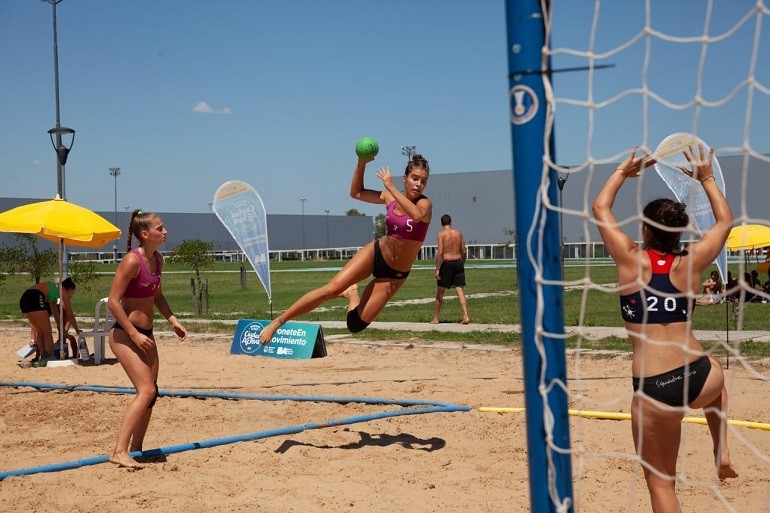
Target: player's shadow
[(151, 456), (377, 440)]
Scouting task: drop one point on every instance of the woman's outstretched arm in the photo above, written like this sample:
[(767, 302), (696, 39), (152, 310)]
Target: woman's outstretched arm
[(708, 247), (357, 189), (619, 245)]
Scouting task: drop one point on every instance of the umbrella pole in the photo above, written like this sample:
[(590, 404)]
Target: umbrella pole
[(61, 301), (727, 328)]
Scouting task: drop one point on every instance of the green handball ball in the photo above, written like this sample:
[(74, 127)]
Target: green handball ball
[(367, 147)]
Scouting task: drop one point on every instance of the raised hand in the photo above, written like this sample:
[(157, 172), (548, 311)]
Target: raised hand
[(384, 174), (633, 165), (701, 166)]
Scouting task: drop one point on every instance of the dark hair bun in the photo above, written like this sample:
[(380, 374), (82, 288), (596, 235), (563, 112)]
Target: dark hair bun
[(679, 217), (419, 160), (671, 214)]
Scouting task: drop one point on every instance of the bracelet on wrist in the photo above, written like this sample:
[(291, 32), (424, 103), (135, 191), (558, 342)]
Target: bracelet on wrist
[(624, 172), (707, 179)]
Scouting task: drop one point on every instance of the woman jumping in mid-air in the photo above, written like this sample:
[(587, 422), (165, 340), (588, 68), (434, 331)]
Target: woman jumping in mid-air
[(389, 259)]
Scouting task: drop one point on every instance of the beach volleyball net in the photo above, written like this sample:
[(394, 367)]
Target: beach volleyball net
[(593, 79)]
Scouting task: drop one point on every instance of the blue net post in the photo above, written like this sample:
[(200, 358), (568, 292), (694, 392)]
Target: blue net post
[(548, 442)]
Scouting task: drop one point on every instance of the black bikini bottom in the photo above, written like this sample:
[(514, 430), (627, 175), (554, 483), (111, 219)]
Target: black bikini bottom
[(669, 387), (381, 267), (144, 331)]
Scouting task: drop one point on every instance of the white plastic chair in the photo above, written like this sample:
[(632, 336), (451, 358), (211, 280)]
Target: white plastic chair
[(101, 330)]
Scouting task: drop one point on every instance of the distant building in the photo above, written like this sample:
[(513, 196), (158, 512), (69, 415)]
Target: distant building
[(481, 205), (284, 232)]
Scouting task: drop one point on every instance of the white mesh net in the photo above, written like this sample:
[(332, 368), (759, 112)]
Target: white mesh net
[(653, 68)]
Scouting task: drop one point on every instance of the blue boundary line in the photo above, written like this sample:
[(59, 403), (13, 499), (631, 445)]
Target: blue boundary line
[(415, 407)]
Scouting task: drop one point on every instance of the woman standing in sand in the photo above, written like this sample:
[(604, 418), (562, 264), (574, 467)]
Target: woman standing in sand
[(134, 293), (670, 369)]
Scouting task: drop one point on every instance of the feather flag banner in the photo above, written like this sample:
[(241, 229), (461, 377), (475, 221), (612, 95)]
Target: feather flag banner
[(241, 210), (669, 159)]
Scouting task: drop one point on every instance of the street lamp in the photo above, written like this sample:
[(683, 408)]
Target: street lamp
[(62, 151), (328, 245), (115, 172), (560, 181), (303, 226), (408, 151)]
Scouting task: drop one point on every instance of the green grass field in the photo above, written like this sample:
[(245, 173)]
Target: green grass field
[(492, 290)]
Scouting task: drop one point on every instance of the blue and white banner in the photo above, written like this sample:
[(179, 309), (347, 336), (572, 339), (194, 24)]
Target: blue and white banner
[(293, 340), (669, 159), (240, 208)]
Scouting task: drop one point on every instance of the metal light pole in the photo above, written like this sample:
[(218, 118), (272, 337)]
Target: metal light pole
[(303, 227), (115, 173), (211, 234), (62, 152), (328, 245), (408, 151)]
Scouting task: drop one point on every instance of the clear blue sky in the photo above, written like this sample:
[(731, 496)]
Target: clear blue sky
[(183, 96)]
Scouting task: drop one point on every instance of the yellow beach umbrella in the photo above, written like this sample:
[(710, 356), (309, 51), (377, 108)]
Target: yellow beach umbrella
[(60, 221), (748, 236)]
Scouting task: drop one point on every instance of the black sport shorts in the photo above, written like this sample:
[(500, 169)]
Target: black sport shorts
[(451, 274), (33, 300)]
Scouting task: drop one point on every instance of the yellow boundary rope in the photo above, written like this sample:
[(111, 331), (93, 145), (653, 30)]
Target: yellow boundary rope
[(608, 415)]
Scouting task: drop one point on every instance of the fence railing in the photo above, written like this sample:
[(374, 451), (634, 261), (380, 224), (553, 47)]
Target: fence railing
[(502, 251)]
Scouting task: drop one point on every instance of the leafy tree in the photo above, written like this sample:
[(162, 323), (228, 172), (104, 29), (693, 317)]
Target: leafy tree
[(3, 265), (83, 273), (23, 256), (379, 226), (511, 232), (354, 212), (196, 254)]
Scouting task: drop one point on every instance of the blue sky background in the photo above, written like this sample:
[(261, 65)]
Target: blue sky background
[(183, 96)]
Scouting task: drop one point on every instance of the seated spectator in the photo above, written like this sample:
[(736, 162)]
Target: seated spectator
[(712, 290), (731, 287), (755, 283), (749, 285)]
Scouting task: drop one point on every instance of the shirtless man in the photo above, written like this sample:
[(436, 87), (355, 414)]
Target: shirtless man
[(450, 269)]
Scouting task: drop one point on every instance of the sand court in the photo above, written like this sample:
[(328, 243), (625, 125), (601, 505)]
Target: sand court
[(455, 461)]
